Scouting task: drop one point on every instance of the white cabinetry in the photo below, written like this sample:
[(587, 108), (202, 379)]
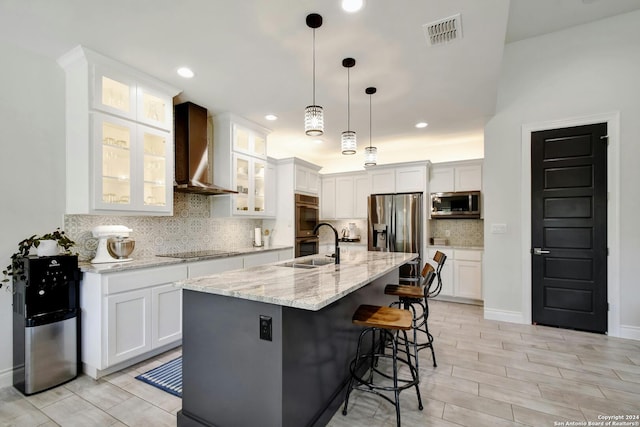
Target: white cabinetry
[(128, 325), (121, 121), (307, 180), (344, 196), (456, 176), (240, 163), (328, 198), (461, 273), (260, 258), (398, 178), (128, 316)]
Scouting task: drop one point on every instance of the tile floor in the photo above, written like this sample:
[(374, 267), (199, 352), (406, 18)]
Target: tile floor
[(489, 374)]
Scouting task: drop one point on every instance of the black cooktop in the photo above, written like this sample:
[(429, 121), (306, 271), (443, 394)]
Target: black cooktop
[(198, 254)]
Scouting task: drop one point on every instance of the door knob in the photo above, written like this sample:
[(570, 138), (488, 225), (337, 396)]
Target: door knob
[(539, 251)]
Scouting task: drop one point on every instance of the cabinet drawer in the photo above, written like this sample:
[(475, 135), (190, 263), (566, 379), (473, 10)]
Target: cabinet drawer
[(130, 280), (467, 255)]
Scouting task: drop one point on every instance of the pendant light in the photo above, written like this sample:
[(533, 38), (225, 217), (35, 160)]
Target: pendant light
[(370, 153), (348, 140), (313, 114)]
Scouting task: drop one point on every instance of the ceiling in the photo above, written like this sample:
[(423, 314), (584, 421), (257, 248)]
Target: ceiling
[(254, 57)]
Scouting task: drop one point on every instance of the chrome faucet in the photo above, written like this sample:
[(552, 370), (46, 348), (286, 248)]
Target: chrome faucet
[(315, 230)]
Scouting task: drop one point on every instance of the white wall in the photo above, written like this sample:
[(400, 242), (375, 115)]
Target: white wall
[(588, 70), (32, 163)]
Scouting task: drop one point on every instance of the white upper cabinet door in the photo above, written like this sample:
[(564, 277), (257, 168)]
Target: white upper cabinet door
[(441, 180), (328, 199), (361, 187), (154, 108), (468, 178), (410, 179), (452, 177), (344, 197), (383, 181), (302, 178), (249, 141), (114, 92), (306, 180), (313, 183)]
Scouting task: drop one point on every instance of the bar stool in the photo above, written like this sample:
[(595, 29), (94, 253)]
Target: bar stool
[(410, 297), (388, 322)]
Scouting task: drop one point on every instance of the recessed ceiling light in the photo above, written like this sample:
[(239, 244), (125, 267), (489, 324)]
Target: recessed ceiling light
[(422, 125), (271, 117), (352, 5), (185, 72)]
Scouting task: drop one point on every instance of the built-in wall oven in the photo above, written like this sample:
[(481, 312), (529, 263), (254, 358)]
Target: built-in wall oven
[(307, 214)]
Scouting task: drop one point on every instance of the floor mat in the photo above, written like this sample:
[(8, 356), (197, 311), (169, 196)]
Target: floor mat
[(167, 377)]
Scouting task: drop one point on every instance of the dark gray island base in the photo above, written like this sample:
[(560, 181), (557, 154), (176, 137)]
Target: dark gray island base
[(233, 378)]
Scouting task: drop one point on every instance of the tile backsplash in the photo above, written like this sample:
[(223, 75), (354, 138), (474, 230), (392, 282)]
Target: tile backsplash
[(462, 232), (190, 228)]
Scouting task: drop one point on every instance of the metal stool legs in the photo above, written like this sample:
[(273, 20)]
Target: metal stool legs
[(365, 381), (419, 324)]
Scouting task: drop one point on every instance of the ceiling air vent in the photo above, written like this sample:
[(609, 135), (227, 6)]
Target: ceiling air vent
[(443, 31)]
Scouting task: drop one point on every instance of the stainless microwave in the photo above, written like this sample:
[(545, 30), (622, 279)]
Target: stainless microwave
[(462, 204)]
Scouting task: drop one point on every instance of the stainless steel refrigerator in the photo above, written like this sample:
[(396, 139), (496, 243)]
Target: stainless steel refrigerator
[(395, 225)]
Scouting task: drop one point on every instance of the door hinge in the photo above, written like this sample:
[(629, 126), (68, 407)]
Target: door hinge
[(607, 251), (607, 306)]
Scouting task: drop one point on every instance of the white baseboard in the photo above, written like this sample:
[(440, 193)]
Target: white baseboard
[(630, 332), (503, 315), (6, 377)]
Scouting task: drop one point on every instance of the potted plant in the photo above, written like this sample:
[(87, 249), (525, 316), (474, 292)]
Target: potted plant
[(59, 241)]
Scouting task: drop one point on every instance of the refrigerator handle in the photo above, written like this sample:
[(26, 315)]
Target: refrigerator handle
[(392, 235)]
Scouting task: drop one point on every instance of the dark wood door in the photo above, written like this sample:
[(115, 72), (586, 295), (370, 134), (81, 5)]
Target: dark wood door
[(569, 227)]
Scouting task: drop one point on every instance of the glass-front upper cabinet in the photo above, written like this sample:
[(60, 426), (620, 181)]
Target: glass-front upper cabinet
[(249, 142), (157, 168), (133, 166), (128, 116), (115, 176), (250, 184), (116, 93)]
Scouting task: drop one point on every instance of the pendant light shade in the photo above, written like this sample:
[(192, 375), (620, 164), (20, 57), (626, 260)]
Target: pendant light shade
[(370, 153), (313, 114), (348, 141)]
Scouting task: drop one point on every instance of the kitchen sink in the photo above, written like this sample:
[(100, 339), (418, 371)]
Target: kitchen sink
[(307, 263)]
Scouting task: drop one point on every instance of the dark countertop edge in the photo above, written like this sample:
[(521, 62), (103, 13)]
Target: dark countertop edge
[(156, 261)]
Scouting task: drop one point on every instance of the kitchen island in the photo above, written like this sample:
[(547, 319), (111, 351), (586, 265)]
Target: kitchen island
[(232, 377)]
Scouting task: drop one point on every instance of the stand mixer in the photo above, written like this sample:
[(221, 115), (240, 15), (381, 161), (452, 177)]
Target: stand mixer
[(103, 233)]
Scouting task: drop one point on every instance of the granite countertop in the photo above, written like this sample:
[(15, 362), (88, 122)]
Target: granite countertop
[(158, 261), (308, 289)]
